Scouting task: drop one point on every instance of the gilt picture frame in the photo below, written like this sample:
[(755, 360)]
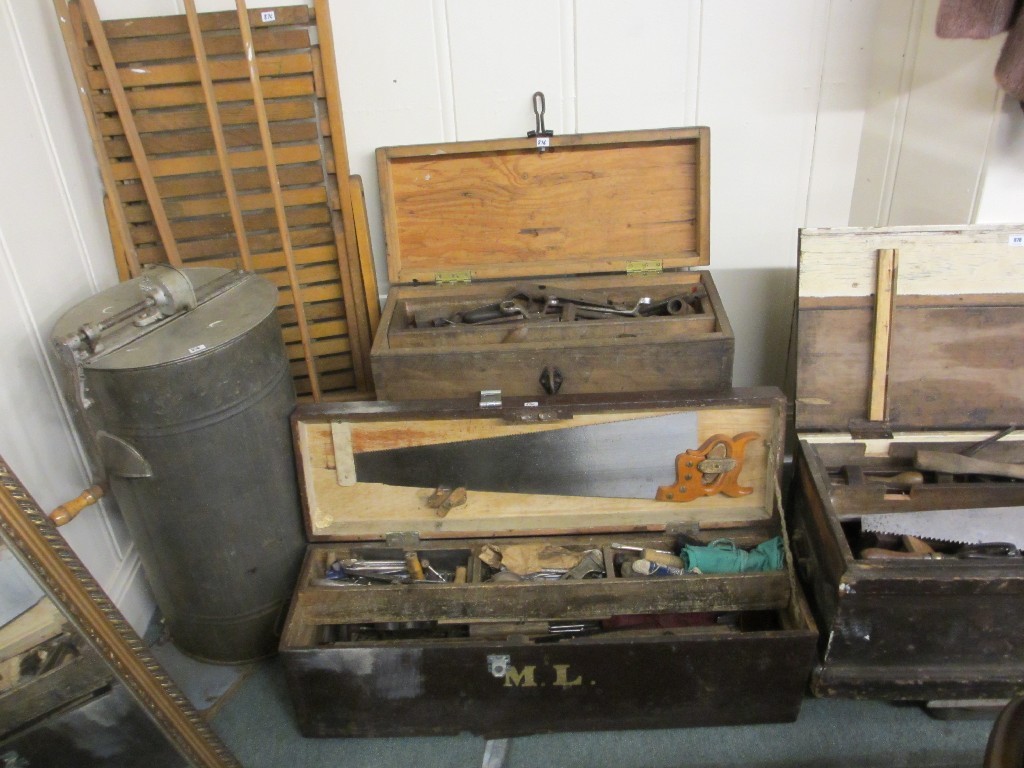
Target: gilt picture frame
[(36, 543)]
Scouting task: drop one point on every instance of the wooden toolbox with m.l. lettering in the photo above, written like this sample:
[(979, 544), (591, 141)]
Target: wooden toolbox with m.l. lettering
[(563, 269), (515, 566), (908, 513)]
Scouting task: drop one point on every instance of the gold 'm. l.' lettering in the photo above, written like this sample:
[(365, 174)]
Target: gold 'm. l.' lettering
[(524, 679), (562, 676)]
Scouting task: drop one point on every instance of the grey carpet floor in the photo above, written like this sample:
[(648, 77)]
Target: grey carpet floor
[(257, 722)]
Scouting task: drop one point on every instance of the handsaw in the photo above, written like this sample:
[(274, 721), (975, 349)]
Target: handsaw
[(622, 459), (960, 526)]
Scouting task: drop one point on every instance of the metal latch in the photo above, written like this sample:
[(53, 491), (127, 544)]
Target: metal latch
[(490, 398), (459, 276), (645, 267), (498, 664), (540, 133)]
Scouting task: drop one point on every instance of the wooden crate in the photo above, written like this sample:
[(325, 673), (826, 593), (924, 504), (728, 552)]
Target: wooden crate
[(479, 655), (622, 215), (929, 357)]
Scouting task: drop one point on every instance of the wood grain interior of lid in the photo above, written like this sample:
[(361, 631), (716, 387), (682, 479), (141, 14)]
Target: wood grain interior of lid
[(503, 209)]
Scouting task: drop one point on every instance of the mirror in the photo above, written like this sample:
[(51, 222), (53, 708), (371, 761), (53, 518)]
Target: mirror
[(90, 667)]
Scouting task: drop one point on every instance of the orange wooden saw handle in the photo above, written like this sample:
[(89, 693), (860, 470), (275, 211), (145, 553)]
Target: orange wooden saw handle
[(692, 482)]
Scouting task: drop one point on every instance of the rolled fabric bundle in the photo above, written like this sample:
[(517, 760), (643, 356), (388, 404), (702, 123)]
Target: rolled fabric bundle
[(723, 556)]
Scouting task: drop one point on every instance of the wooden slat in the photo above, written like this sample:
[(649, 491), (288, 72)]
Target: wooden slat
[(211, 206), (315, 311), (141, 163), (186, 73), (135, 50), (176, 166), (207, 184), (288, 15), (365, 249), (210, 249), (197, 141), (275, 186), (320, 330), (211, 226), (185, 95), (885, 294), (322, 292)]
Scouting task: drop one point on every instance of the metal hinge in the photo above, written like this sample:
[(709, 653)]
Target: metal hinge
[(490, 398), (644, 267), (453, 278)]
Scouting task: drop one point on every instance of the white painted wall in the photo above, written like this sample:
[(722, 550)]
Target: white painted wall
[(822, 113)]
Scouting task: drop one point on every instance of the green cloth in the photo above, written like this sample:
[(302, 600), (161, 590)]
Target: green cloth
[(723, 556)]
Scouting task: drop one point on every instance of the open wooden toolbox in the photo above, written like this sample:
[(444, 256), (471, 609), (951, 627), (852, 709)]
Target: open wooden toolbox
[(618, 217), (525, 656), (910, 343)]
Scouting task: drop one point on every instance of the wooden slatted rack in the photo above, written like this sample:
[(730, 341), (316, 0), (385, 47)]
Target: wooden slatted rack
[(201, 169)]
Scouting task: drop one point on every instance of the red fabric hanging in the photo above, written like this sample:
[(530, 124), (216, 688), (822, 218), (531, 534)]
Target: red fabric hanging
[(980, 19)]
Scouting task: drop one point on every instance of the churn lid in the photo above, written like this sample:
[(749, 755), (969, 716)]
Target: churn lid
[(164, 316)]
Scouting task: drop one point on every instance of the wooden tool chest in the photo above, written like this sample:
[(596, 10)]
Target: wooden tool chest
[(497, 655), (910, 345), (614, 218)]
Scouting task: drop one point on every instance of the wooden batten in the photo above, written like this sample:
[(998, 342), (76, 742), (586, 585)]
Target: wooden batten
[(957, 316)]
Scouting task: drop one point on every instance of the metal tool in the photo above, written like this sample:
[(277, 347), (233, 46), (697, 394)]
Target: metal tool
[(592, 562), (962, 526), (650, 568), (987, 551), (659, 556)]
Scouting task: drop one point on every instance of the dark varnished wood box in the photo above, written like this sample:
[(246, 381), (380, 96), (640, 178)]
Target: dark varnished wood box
[(625, 215), (930, 359), (743, 656)]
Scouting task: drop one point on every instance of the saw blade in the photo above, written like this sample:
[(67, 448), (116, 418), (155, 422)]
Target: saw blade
[(626, 459), (960, 526)]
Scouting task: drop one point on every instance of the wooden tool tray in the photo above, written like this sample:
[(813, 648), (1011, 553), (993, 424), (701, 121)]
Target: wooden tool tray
[(623, 216), (747, 626), (908, 343)]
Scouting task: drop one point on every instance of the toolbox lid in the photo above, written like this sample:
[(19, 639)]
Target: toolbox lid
[(578, 464), (591, 203), (955, 354)]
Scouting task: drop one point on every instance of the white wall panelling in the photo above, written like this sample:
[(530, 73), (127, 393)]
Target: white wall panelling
[(822, 113), (54, 251), (1002, 195)]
